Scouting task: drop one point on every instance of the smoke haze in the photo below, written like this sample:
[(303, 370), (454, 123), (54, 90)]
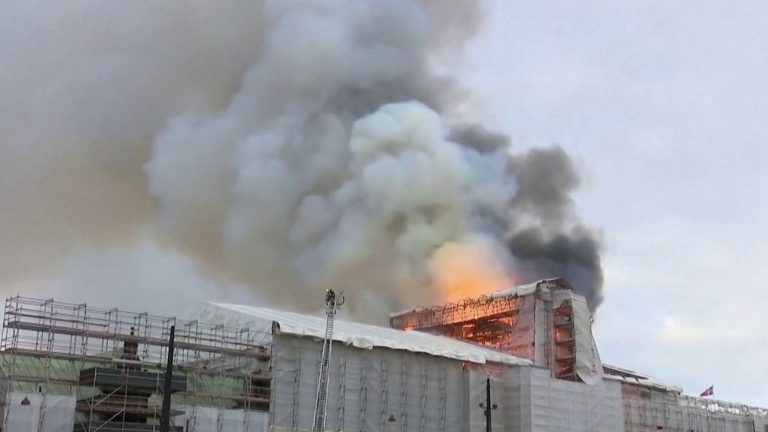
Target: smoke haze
[(285, 146)]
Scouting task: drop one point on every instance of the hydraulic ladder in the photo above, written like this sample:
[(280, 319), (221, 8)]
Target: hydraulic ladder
[(332, 302)]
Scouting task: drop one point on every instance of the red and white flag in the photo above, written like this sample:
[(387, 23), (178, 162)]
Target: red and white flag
[(708, 392)]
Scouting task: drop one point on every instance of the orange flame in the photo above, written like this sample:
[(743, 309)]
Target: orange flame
[(468, 269)]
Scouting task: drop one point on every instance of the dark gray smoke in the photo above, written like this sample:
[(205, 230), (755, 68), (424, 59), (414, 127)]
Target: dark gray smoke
[(574, 254), (479, 138), (546, 178), (543, 233), (553, 243)]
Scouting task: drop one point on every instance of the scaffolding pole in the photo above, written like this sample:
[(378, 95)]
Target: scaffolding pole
[(72, 350)]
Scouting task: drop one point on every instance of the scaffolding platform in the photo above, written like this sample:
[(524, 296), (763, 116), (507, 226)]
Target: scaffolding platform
[(139, 382), (114, 404), (111, 363), (117, 426)]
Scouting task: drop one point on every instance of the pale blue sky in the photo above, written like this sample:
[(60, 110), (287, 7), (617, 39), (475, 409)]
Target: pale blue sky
[(664, 106)]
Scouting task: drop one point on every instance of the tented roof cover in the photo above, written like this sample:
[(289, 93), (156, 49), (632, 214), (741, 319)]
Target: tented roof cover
[(263, 320)]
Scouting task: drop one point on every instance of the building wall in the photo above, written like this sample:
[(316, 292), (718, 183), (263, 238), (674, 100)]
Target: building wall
[(369, 390), (563, 406), (58, 414), (649, 409), (507, 393), (208, 419), (387, 390), (761, 424)]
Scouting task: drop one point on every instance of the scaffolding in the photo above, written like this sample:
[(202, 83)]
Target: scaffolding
[(506, 321), (112, 363), (564, 336), (488, 321)]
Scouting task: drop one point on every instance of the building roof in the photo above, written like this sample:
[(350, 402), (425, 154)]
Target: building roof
[(631, 377), (515, 291), (359, 335), (531, 288)]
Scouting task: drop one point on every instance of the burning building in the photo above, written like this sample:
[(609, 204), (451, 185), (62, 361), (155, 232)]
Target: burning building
[(545, 322), (529, 349)]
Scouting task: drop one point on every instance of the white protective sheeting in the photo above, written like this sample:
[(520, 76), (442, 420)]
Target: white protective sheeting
[(517, 291), (528, 399), (542, 322), (565, 406), (648, 408), (58, 414), (370, 390), (209, 419), (350, 333), (761, 423), (630, 377), (506, 394), (523, 333)]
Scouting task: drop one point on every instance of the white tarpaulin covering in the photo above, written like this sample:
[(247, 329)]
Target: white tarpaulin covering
[(518, 291), (588, 365), (564, 406), (350, 333), (647, 408), (631, 377), (208, 419), (370, 390), (386, 390), (58, 414), (528, 399)]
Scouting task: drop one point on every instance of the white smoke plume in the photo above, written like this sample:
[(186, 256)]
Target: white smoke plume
[(290, 146)]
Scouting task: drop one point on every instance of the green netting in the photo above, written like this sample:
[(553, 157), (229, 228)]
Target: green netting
[(27, 374), (211, 390), (30, 374)]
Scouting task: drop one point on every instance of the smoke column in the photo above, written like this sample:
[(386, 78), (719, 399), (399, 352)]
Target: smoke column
[(541, 230), (291, 146), (86, 86)]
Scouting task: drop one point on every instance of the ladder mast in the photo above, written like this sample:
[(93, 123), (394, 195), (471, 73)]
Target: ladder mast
[(332, 302)]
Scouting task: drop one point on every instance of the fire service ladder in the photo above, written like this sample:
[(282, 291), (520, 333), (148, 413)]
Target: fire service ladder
[(332, 303)]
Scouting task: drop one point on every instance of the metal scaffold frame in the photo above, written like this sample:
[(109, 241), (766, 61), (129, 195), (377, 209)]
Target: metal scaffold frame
[(51, 347), (484, 307), (487, 321)]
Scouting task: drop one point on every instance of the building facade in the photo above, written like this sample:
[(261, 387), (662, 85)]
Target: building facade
[(526, 355)]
